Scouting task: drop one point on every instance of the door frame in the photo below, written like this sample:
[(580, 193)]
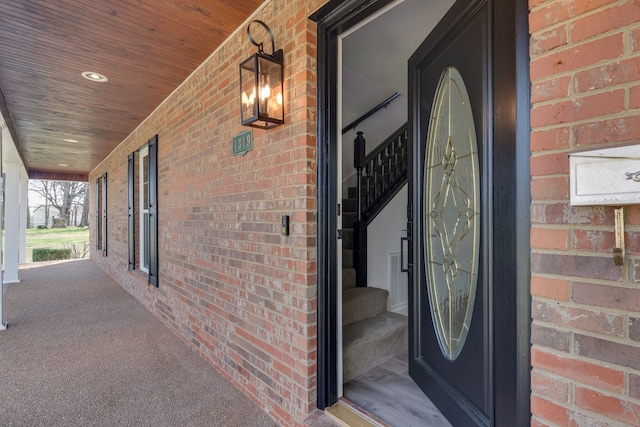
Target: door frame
[(509, 48)]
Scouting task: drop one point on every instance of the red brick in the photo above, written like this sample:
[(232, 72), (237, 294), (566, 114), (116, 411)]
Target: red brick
[(550, 89), (623, 355), (538, 423), (578, 419), (608, 75), (549, 411), (634, 385), (239, 293), (550, 139), (605, 20), (635, 40), (606, 131), (563, 213), (593, 240), (550, 188), (607, 296), (550, 164), (557, 12), (578, 370), (542, 238), (632, 242), (544, 287), (548, 40), (574, 57), (574, 265), (549, 387), (634, 328), (602, 104), (548, 336), (632, 215), (634, 270), (534, 3), (577, 318), (609, 406)]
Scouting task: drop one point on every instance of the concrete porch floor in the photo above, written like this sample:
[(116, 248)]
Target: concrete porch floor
[(80, 351)]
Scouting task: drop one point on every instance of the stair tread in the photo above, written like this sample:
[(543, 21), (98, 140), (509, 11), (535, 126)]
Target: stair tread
[(368, 329), (363, 302), (369, 342)]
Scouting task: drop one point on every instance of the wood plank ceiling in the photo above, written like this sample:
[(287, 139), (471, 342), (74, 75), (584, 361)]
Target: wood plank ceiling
[(146, 48)]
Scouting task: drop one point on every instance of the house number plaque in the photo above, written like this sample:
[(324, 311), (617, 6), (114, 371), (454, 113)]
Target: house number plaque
[(242, 143)]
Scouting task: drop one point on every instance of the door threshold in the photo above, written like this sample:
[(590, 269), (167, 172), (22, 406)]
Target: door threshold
[(348, 414)]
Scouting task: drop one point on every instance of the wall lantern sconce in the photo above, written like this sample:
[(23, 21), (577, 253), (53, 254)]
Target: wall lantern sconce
[(261, 77)]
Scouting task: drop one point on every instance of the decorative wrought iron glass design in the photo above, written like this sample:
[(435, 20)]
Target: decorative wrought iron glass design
[(452, 213)]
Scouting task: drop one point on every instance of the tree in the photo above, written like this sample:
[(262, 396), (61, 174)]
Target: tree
[(65, 196), (84, 220)]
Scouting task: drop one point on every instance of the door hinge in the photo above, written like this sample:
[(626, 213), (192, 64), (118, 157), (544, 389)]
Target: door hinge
[(339, 210), (339, 234)]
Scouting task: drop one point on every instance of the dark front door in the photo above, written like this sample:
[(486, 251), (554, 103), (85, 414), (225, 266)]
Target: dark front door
[(451, 218)]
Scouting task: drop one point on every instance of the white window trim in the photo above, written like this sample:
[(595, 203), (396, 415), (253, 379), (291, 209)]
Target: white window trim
[(144, 152)]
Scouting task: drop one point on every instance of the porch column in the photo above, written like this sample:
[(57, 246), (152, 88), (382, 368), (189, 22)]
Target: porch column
[(3, 325), (24, 211), (12, 223)]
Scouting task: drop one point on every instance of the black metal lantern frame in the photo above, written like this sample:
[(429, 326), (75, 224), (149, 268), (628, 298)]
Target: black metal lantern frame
[(261, 85)]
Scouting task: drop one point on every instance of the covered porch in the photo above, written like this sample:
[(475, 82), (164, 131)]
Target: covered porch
[(80, 350)]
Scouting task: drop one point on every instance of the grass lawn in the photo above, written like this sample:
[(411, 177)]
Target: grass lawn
[(57, 238)]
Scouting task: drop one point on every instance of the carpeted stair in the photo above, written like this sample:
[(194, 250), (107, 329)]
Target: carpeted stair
[(370, 334)]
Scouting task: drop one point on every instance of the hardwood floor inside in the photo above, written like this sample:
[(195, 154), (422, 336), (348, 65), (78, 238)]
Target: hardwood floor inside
[(388, 393)]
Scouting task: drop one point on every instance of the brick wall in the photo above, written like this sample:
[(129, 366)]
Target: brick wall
[(585, 73), (239, 293)]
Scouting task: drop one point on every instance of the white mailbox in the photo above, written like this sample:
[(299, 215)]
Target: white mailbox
[(610, 176)]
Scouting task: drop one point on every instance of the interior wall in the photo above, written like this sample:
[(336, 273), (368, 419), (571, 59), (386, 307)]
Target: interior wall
[(383, 240)]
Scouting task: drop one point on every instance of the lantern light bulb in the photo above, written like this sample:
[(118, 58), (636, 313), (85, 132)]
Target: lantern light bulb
[(265, 92)]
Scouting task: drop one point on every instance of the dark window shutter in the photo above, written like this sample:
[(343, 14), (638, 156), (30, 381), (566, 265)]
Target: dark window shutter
[(131, 223), (98, 225), (104, 214), (153, 211)]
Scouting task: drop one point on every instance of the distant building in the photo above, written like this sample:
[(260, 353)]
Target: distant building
[(38, 216)]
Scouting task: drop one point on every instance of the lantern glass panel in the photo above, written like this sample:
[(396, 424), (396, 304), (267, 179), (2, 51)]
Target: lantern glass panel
[(248, 87), (270, 96)]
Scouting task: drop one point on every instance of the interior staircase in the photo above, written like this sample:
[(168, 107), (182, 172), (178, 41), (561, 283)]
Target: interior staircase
[(370, 333)]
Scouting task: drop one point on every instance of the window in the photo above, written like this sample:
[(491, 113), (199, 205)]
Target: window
[(101, 214), (143, 215)]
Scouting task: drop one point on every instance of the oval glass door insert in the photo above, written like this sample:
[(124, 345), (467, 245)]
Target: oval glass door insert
[(452, 213)]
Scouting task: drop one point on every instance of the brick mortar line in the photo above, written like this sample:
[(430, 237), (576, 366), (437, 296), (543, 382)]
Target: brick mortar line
[(594, 308), (572, 72), (590, 121), (624, 369), (546, 4), (593, 281), (573, 19), (585, 227), (581, 95)]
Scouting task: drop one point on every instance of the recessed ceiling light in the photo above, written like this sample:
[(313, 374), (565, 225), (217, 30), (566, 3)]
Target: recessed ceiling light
[(70, 140), (94, 77), (63, 165)]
